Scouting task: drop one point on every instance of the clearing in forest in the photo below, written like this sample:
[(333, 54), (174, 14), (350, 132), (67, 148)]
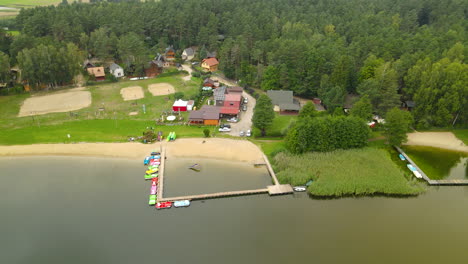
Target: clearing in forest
[(158, 89), (54, 103), (132, 93)]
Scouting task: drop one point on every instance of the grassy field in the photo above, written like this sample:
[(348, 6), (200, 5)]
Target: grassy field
[(279, 126), (461, 134), (365, 171), (91, 125), (29, 3)]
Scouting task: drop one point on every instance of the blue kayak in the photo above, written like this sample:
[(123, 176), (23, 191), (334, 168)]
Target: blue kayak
[(401, 157), (411, 167), (183, 203)]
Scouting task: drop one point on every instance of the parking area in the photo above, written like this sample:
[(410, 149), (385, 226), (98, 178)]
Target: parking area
[(245, 117)]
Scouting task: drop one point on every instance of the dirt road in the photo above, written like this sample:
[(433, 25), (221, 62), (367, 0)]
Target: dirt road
[(187, 68), (245, 122)]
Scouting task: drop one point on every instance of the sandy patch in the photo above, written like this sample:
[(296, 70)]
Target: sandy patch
[(213, 148), (158, 89), (132, 93), (133, 113), (444, 140), (70, 100)]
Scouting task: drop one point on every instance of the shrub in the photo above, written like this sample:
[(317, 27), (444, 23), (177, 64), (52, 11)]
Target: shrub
[(179, 95), (206, 132)]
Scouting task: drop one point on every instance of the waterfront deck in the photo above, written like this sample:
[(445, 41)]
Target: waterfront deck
[(426, 178), (276, 189)]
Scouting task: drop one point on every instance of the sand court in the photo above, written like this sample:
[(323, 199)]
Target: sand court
[(55, 103), (158, 89), (132, 93)]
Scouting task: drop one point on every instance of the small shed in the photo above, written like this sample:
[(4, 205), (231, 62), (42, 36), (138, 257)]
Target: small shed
[(116, 70), (98, 73), (180, 105), (190, 105)]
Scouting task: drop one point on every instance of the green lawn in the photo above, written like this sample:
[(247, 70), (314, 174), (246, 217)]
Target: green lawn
[(29, 3), (461, 134), (279, 127), (92, 125), (366, 171)]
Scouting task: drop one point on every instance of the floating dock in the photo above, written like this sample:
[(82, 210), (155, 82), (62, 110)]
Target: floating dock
[(429, 181)]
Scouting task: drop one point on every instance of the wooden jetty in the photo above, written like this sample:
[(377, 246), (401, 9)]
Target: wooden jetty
[(161, 175), (429, 181), (276, 189)]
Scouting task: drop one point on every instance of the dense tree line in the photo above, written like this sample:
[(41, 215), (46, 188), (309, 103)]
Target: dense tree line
[(327, 134), (385, 49)]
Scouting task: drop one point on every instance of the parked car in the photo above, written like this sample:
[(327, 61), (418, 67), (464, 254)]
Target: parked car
[(224, 129), (242, 133), (233, 120), (244, 108), (248, 133), (246, 100), (225, 125)]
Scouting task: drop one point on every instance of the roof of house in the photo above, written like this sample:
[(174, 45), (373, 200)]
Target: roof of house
[(235, 90), (211, 54), (208, 81), (87, 64), (280, 97), (233, 97), (180, 102), (211, 61), (291, 107), (97, 71), (114, 67), (190, 102), (170, 49), (207, 112), (229, 110), (319, 107), (189, 51), (219, 93)]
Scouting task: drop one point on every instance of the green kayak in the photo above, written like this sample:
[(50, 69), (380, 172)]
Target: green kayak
[(152, 199), (153, 167), (151, 176)]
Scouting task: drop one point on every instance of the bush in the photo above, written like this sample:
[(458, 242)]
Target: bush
[(196, 74), (179, 95), (206, 132)]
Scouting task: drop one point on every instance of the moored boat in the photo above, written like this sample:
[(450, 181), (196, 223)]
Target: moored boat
[(152, 199), (152, 171), (163, 205), (155, 153), (182, 203), (151, 176), (299, 188), (411, 167), (154, 189), (417, 174), (146, 161), (401, 157)]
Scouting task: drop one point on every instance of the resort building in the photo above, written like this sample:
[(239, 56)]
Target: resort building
[(207, 115), (188, 54), (229, 99), (210, 64), (98, 73), (284, 102), (180, 106)]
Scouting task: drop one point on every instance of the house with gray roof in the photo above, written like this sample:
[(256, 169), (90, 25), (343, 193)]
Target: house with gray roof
[(219, 95), (284, 102), (116, 70), (188, 54)]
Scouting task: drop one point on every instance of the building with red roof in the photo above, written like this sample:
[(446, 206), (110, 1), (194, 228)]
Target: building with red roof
[(210, 64)]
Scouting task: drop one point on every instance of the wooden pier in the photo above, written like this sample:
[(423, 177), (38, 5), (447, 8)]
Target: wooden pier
[(276, 189), (429, 181)]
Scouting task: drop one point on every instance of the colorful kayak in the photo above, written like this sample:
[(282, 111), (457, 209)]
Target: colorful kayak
[(146, 161), (173, 136), (154, 189), (155, 153), (401, 157), (163, 205), (183, 203), (151, 167), (152, 199), (151, 176), (154, 180), (411, 167), (417, 174), (152, 171), (169, 137)]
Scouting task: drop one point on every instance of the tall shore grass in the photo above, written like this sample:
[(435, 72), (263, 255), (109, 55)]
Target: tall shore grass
[(366, 171)]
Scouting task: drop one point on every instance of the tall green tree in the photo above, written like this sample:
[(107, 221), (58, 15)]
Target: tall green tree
[(271, 79), (4, 68), (362, 108), (133, 52), (263, 114), (397, 124), (308, 110)]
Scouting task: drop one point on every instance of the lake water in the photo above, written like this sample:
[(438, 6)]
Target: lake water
[(439, 163), (94, 210)]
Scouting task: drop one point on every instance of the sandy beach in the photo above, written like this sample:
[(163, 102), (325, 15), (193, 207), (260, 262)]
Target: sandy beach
[(444, 140), (212, 148)]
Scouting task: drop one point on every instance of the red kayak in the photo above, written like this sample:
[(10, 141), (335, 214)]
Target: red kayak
[(154, 181), (163, 205)]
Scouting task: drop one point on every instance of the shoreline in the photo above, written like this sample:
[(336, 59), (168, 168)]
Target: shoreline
[(442, 140), (210, 148)]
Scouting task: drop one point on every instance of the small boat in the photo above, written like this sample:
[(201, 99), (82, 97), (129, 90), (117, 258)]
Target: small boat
[(309, 183), (156, 157), (417, 174), (411, 167), (152, 199), (401, 157), (154, 189), (153, 167), (154, 153), (169, 137), (154, 180), (183, 203), (299, 188), (195, 167), (152, 171), (151, 176), (154, 163), (146, 161), (163, 205)]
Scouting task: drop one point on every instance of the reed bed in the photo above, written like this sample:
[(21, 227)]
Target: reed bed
[(364, 171)]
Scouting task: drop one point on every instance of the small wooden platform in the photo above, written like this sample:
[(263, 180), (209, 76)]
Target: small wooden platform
[(448, 182), (280, 189)]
